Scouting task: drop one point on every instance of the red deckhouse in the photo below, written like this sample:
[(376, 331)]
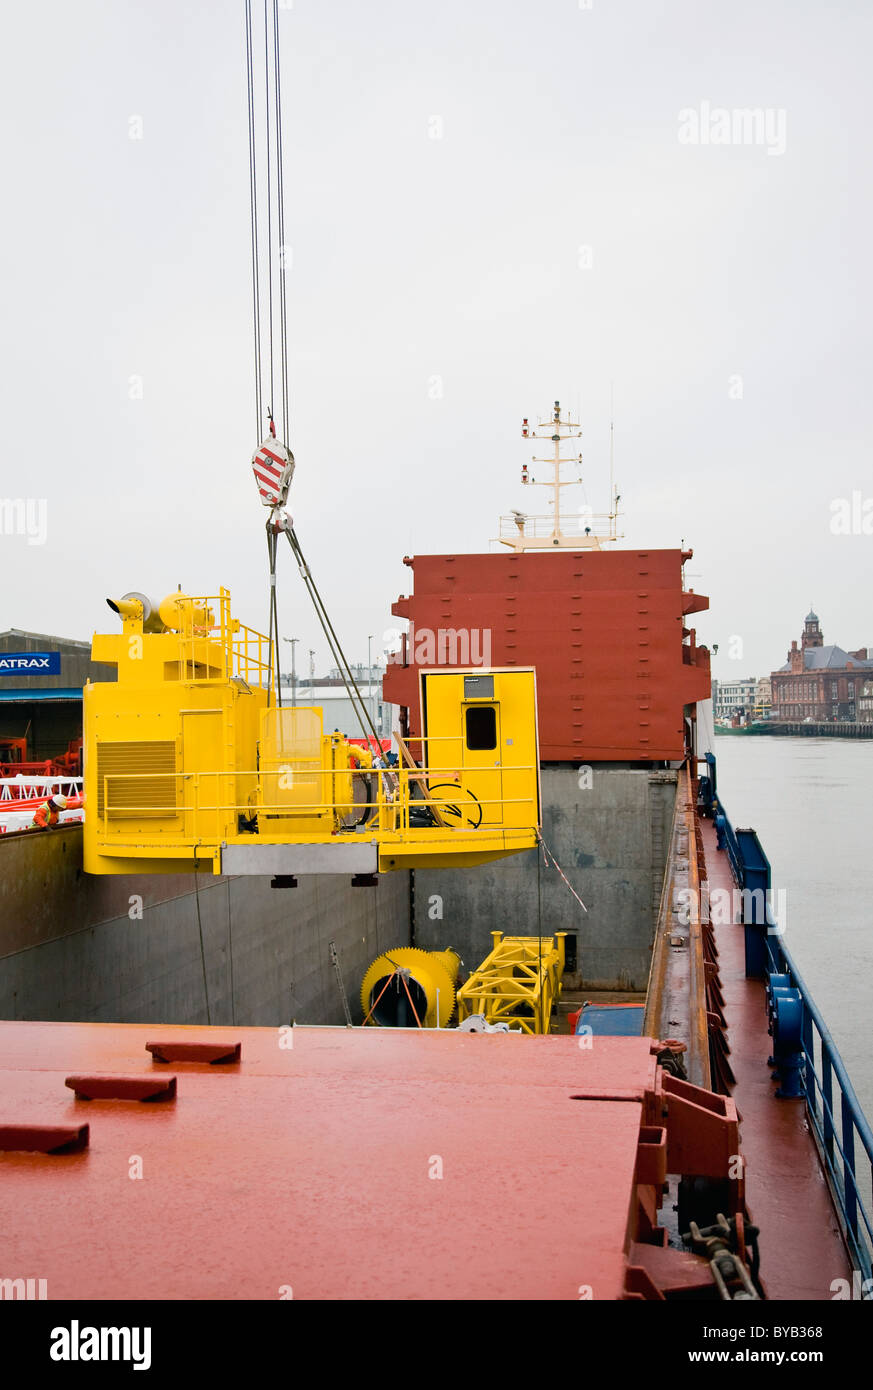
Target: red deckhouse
[(616, 665), (618, 671)]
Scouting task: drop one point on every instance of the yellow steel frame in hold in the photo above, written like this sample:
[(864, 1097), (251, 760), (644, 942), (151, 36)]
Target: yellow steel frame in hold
[(518, 983), (188, 758)]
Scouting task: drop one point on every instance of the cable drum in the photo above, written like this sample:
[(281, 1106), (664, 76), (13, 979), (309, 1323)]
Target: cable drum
[(409, 988)]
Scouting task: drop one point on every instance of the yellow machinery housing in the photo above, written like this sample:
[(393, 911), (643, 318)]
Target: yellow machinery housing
[(518, 983), (189, 761), (408, 988)]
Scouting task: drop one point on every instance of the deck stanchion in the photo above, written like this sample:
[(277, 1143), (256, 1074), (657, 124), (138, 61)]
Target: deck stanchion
[(850, 1190), (827, 1090)]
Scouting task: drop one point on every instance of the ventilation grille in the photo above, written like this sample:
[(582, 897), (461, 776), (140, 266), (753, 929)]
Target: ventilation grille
[(130, 793)]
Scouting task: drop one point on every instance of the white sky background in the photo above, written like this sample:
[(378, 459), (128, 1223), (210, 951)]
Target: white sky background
[(459, 257)]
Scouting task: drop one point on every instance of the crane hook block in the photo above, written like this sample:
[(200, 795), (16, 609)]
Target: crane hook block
[(273, 467)]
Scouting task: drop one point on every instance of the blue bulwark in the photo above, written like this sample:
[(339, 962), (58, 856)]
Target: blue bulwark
[(30, 663)]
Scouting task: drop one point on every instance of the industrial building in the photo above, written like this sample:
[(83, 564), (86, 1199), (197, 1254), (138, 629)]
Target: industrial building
[(734, 700), (41, 681)]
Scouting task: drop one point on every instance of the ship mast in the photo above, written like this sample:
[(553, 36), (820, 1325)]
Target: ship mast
[(558, 529)]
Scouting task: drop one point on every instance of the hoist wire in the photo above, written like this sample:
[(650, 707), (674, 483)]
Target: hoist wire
[(272, 544), (357, 700), (280, 200), (269, 200), (253, 200), (333, 642), (271, 568)]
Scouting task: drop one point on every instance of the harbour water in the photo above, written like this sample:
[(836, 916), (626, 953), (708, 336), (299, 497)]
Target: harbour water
[(810, 801)]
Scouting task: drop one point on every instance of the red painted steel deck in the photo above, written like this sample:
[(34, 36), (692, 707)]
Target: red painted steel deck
[(802, 1250), (309, 1167)]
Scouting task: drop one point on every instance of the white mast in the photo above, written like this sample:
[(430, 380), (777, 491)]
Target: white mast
[(559, 529)]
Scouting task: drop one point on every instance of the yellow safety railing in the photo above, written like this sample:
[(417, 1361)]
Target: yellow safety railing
[(399, 792), (245, 652)]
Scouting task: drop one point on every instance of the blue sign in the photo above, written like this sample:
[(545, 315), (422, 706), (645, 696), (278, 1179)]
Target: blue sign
[(30, 663)]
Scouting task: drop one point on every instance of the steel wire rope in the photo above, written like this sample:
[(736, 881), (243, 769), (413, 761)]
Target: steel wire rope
[(202, 949), (253, 211), (327, 627), (269, 198), (333, 641), (280, 201), (272, 544), (381, 992)]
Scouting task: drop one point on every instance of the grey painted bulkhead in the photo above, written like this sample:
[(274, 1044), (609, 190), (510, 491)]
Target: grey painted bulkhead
[(73, 947), (608, 827)]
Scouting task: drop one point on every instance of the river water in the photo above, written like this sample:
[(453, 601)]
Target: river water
[(811, 802)]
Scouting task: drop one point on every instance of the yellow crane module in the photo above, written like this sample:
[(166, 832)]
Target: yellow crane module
[(190, 761), (409, 988), (518, 983)]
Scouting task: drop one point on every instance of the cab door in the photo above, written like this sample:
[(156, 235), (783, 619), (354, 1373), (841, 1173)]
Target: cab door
[(202, 756)]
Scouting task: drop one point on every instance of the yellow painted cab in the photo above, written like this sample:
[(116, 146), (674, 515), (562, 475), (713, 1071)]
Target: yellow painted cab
[(190, 761)]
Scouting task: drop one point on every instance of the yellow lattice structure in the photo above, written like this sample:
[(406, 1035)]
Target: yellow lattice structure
[(518, 983)]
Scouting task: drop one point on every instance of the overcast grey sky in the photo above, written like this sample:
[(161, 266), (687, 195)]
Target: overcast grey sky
[(457, 258)]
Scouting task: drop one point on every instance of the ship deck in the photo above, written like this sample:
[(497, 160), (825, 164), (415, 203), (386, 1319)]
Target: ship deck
[(355, 1163), (802, 1249), (375, 1163)]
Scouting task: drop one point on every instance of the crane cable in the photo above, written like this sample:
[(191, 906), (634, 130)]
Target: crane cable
[(345, 670), (253, 203), (273, 99), (269, 207), (272, 543), (280, 199), (258, 230), (269, 229)]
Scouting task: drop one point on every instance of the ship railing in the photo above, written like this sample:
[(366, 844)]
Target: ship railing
[(841, 1130), (245, 652), (732, 846), (541, 527), (23, 788)]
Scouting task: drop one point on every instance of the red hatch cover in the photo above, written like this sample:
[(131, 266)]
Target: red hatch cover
[(332, 1163)]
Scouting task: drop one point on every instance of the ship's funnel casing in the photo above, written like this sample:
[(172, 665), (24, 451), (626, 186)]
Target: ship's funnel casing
[(429, 977)]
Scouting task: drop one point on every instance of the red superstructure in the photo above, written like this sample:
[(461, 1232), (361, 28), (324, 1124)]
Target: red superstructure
[(605, 630)]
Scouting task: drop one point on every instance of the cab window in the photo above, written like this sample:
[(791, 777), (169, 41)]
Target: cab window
[(481, 727)]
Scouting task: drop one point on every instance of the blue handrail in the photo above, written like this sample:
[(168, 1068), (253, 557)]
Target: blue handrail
[(766, 953)]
